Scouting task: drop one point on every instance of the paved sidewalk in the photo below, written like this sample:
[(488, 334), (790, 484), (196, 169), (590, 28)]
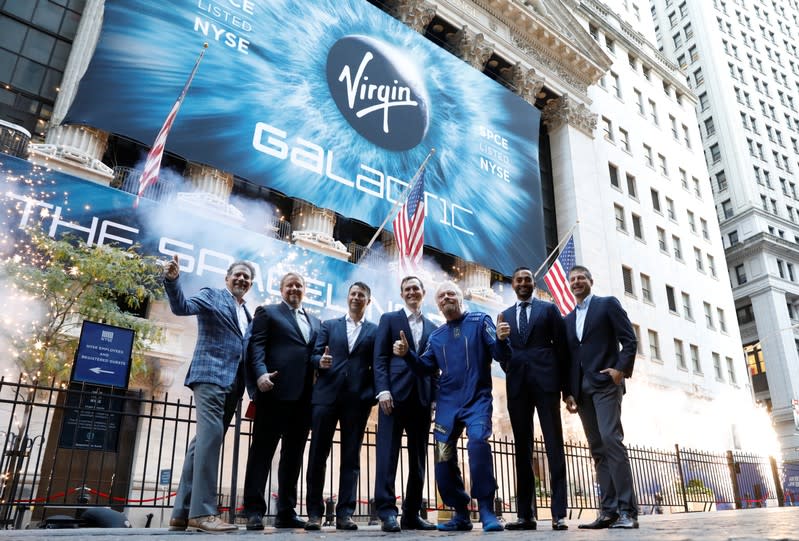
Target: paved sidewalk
[(744, 525)]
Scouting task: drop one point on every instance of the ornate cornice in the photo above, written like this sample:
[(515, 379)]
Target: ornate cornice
[(417, 14), (472, 48), (565, 110)]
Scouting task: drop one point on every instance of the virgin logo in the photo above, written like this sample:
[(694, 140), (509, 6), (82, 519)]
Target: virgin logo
[(378, 92)]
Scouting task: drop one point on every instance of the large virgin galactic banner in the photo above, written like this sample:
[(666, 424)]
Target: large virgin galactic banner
[(330, 101)]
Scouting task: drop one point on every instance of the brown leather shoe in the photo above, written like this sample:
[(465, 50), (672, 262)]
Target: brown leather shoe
[(210, 524), (178, 524)]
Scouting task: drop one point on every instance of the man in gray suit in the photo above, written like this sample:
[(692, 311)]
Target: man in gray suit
[(216, 376)]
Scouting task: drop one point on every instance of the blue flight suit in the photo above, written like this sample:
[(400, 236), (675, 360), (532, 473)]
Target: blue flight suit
[(462, 350)]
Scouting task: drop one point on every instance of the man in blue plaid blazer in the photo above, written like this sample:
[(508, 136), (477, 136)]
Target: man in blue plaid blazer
[(216, 377)]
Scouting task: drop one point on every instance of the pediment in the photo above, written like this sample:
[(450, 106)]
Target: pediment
[(552, 35)]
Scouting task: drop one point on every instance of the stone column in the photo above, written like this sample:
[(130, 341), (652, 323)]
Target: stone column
[(472, 48), (211, 193), (312, 227), (76, 150), (778, 342), (476, 283)]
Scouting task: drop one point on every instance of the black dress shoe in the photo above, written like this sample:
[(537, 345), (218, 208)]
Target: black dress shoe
[(416, 523), (255, 522), (289, 522), (603, 521), (521, 524), (313, 523), (345, 523), (559, 524), (625, 521), (390, 524)]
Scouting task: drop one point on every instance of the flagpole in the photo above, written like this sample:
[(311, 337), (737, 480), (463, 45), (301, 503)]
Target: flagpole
[(401, 200), (152, 166), (556, 249)]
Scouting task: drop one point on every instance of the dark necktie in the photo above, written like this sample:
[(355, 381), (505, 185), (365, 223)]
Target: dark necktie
[(523, 323)]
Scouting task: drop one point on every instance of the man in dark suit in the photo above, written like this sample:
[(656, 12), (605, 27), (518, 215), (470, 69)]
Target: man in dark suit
[(216, 377), (279, 359), (536, 377), (594, 331), (405, 401), (344, 393)]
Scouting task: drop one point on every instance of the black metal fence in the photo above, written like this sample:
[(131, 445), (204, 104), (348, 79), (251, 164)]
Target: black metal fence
[(65, 449)]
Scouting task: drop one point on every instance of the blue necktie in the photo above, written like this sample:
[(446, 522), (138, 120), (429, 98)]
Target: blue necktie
[(524, 324)]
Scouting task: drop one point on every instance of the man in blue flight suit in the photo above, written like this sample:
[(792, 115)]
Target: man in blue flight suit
[(461, 350)]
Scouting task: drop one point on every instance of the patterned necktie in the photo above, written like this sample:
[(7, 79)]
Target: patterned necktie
[(524, 324), (303, 323)]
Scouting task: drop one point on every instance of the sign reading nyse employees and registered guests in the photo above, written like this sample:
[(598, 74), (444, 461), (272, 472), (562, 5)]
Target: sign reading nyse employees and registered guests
[(330, 101), (103, 355)]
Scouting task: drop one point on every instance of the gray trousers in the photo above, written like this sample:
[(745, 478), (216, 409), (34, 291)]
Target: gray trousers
[(214, 408), (600, 413)]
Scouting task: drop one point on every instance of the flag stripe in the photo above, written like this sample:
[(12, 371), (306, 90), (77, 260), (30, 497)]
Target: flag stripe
[(409, 230), (557, 278), (152, 166)]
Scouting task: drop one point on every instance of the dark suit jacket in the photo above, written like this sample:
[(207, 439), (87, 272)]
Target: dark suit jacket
[(542, 356), (393, 373), (220, 343), (351, 374), (276, 343), (606, 327)]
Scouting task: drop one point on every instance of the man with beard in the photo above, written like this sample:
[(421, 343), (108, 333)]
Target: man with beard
[(279, 359), (460, 351), (536, 377), (216, 377), (344, 393), (405, 401)]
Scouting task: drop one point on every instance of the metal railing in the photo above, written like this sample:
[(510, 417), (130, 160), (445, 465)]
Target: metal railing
[(64, 449)]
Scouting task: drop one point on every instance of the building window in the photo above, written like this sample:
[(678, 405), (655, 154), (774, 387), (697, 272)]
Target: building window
[(664, 169), (662, 240), (704, 103), (655, 199), (679, 354), (731, 371), (686, 306), (621, 223), (653, 112), (697, 189), (710, 126), (691, 220), (745, 314), (733, 237), (614, 77), (632, 188), (722, 320), (726, 207), (624, 137), (699, 78), (613, 172), (717, 366), (671, 300), (711, 265), (639, 347), (697, 366), (639, 99), (646, 288), (708, 315), (700, 264), (637, 229), (607, 127), (715, 153), (670, 210), (648, 156), (654, 345), (627, 278), (721, 180), (740, 274), (676, 246)]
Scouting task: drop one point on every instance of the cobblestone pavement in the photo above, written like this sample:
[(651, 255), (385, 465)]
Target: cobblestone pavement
[(744, 525)]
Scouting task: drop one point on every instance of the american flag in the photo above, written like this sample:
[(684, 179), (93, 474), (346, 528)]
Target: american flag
[(409, 229), (557, 278), (152, 167)]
